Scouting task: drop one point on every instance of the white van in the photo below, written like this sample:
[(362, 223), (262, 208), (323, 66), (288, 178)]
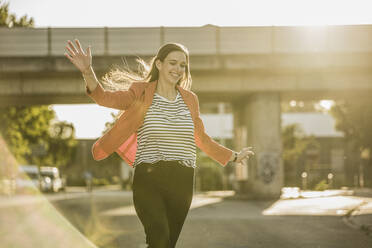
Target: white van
[(51, 179)]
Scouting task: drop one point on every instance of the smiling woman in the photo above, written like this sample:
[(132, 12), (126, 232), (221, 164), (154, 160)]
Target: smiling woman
[(157, 133)]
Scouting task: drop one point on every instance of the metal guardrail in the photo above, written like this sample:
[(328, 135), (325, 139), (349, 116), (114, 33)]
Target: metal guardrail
[(206, 40)]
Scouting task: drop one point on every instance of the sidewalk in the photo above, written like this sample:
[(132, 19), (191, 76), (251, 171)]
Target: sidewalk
[(70, 193), (361, 216), (365, 192), (354, 204)]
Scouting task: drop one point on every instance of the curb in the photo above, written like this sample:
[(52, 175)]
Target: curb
[(348, 219), (20, 200)]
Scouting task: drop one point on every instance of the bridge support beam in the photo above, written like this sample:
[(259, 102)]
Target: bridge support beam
[(257, 123)]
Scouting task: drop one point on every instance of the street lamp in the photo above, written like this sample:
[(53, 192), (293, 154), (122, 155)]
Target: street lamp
[(330, 180), (304, 180)]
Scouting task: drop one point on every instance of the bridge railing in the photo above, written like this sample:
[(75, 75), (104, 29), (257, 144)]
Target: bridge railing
[(206, 40)]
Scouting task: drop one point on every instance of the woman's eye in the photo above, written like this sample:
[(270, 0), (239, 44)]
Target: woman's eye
[(182, 65)]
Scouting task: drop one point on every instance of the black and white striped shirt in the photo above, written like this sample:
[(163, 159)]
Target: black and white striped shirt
[(167, 133)]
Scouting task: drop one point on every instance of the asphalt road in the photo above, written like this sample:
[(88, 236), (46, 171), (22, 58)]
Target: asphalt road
[(108, 220)]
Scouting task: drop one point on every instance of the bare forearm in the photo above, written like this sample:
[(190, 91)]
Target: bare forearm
[(90, 78)]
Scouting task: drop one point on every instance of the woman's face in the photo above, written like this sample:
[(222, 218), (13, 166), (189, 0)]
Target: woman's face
[(173, 68)]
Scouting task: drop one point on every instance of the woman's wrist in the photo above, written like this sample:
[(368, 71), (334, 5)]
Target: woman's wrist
[(234, 157)]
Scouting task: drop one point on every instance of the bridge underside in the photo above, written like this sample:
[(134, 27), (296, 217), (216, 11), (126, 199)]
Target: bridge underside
[(54, 80), (231, 86)]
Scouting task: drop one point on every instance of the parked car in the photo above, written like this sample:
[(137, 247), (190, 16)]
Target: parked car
[(28, 178), (46, 184), (51, 179)]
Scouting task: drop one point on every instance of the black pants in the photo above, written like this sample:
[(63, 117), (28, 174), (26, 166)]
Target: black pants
[(162, 195)]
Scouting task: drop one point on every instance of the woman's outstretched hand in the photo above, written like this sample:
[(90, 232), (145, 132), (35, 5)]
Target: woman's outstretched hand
[(78, 57), (246, 152)]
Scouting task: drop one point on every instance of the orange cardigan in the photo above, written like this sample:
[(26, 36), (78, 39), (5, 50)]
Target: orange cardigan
[(122, 137)]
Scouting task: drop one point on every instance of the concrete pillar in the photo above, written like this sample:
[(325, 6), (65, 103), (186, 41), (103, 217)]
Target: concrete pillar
[(257, 123), (338, 167)]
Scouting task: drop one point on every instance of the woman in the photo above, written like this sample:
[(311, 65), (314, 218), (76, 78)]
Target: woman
[(157, 134)]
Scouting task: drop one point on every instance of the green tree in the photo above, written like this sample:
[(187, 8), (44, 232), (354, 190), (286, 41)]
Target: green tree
[(209, 174), (295, 144), (57, 148), (354, 119), (33, 135), (31, 132), (23, 127), (10, 20)]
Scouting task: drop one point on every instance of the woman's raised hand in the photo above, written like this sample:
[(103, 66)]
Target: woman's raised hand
[(243, 154), (78, 57)]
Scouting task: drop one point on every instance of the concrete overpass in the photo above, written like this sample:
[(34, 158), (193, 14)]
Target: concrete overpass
[(251, 67)]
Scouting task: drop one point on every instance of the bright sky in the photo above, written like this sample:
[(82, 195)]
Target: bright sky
[(88, 119), (136, 13), (73, 13)]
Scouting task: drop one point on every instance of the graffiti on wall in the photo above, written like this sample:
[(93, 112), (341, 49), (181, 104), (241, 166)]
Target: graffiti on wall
[(268, 166)]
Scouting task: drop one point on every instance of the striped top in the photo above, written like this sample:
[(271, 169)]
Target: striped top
[(167, 133)]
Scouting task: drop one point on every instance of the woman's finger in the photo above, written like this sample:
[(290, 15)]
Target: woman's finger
[(68, 56), (79, 46), (242, 162), (247, 155), (89, 51), (71, 52), (247, 148), (71, 60), (72, 47)]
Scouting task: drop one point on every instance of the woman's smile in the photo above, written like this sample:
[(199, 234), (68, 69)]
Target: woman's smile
[(175, 75)]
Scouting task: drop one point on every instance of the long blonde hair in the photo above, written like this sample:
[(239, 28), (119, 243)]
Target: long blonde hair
[(121, 78)]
